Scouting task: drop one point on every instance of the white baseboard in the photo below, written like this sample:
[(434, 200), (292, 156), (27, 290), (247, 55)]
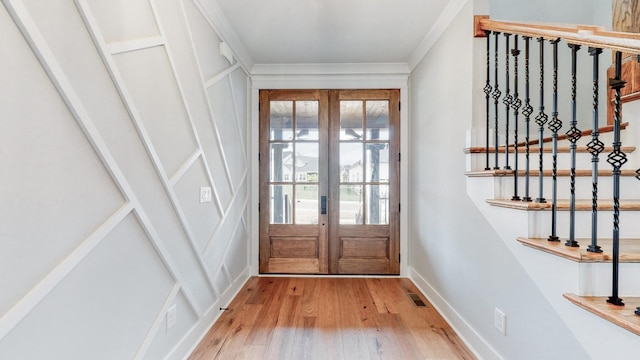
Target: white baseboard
[(476, 343), (189, 342)]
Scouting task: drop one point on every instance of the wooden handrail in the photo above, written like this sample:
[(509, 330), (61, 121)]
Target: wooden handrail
[(586, 35)]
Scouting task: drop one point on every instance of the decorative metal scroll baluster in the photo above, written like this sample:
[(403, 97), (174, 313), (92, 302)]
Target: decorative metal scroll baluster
[(574, 134), (541, 119), (554, 125), (515, 105), (595, 147), (506, 100), (526, 111), (616, 158), (487, 92), (496, 96)]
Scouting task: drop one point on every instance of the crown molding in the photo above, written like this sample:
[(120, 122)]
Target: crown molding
[(331, 69), (438, 28)]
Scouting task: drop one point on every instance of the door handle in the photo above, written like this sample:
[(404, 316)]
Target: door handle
[(323, 205)]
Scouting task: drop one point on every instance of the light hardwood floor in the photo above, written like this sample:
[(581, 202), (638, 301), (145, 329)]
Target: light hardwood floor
[(330, 318)]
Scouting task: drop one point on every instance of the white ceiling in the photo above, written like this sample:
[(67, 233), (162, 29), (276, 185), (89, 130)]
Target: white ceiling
[(335, 31)]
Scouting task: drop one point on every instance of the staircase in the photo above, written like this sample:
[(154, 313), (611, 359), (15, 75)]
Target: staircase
[(572, 279)]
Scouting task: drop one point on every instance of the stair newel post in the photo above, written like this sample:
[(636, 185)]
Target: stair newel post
[(574, 134), (595, 147), (526, 111), (541, 119), (487, 91), (506, 100), (616, 158), (496, 97), (515, 105), (554, 125)]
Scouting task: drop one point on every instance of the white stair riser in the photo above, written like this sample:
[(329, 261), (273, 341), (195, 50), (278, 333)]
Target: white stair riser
[(540, 224), (596, 279), (629, 187)]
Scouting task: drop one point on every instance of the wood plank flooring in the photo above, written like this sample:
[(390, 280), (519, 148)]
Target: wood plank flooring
[(330, 318)]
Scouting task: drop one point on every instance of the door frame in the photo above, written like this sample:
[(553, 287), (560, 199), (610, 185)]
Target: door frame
[(342, 78)]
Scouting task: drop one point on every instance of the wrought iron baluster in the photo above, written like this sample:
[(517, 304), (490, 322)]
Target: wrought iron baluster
[(515, 105), (554, 125), (574, 134), (506, 100), (487, 92), (496, 96), (616, 158), (595, 147), (526, 111), (541, 119)]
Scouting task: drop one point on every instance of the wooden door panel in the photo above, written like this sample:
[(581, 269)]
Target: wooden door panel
[(371, 246), (292, 235)]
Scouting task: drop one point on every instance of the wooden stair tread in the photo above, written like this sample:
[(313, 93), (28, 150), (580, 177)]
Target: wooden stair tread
[(623, 316), (534, 150), (563, 204), (535, 173), (629, 249)]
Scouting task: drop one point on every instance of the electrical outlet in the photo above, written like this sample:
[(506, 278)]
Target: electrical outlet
[(500, 321), (205, 194), (171, 317)]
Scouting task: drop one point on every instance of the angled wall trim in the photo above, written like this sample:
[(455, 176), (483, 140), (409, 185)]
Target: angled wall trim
[(136, 118), (44, 287), (48, 61), (134, 45)]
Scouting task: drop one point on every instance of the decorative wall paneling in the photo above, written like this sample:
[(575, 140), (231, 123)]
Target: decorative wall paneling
[(227, 242), (58, 78), (127, 99)]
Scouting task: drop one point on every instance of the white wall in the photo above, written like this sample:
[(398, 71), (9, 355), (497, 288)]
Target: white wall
[(111, 122), (455, 256)]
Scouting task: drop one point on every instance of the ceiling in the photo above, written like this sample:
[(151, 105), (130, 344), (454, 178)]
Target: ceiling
[(333, 31)]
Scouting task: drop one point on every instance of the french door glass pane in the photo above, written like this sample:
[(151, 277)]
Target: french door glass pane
[(378, 120), (306, 205), (351, 204), (281, 120), (281, 204), (306, 162), (351, 169), (377, 162), (351, 119), (307, 120), (281, 162), (377, 200)]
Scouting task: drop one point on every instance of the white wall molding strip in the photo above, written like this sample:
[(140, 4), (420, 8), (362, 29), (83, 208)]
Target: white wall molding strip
[(209, 105), (159, 320), (476, 343), (194, 130), (231, 203), (175, 178), (220, 76), (439, 26), (218, 256), (55, 276), (235, 111), (119, 83), (45, 56), (135, 45)]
